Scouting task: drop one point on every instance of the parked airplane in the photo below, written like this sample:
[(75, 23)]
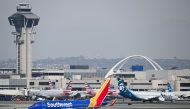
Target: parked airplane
[(74, 94), (52, 93), (111, 91), (144, 96), (97, 101), (184, 94)]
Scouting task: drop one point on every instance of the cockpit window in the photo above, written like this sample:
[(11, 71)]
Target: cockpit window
[(35, 105)]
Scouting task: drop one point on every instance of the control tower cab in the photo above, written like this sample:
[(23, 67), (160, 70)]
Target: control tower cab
[(24, 22)]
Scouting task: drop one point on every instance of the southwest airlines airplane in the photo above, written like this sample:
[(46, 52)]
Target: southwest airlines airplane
[(143, 95), (97, 101), (111, 91), (185, 94)]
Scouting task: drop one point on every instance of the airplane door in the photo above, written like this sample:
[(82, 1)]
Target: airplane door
[(43, 105)]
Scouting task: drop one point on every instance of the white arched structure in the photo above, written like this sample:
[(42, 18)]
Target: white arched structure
[(153, 63)]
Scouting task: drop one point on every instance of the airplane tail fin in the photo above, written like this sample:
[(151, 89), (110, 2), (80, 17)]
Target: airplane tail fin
[(87, 87), (97, 100), (69, 86), (113, 102), (51, 85), (169, 87), (121, 86)]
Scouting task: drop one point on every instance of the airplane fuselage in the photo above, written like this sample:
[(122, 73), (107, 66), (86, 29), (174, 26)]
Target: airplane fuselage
[(138, 95), (46, 93), (60, 104), (181, 93)]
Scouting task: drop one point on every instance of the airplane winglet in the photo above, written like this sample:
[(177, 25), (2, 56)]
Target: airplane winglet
[(113, 102), (97, 100)]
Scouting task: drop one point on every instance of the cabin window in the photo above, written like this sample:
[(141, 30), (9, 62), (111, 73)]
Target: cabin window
[(31, 83)]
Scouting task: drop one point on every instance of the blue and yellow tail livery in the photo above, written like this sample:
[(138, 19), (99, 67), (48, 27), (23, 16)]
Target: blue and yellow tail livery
[(97, 100)]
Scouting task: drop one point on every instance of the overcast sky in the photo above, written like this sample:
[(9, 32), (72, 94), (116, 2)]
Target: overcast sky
[(158, 29)]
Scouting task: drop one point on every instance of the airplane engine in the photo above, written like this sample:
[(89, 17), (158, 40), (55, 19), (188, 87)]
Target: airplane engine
[(70, 93), (33, 97), (161, 99)]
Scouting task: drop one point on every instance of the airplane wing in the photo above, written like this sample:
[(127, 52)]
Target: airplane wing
[(186, 95), (151, 97), (44, 96)]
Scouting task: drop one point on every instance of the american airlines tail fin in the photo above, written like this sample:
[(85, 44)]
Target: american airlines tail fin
[(69, 86), (97, 100), (67, 89), (51, 85), (121, 86), (89, 89), (169, 87), (87, 86)]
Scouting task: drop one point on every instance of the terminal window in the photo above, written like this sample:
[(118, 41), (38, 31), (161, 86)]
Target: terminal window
[(184, 84), (153, 75), (31, 83), (45, 83), (125, 83), (141, 83)]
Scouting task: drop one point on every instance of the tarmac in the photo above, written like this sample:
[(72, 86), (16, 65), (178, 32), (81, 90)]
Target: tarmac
[(119, 105)]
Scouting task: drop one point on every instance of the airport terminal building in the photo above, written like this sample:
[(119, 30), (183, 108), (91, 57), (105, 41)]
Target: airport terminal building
[(13, 80), (136, 79)]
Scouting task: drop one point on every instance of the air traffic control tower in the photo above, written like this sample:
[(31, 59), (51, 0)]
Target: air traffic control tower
[(24, 22)]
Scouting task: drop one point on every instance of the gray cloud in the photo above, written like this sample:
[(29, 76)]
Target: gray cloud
[(108, 28)]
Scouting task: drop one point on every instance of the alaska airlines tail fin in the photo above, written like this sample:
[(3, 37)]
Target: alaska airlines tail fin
[(169, 87), (122, 88), (51, 85), (97, 100)]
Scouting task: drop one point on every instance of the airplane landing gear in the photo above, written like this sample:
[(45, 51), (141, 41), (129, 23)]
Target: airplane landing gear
[(151, 101)]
